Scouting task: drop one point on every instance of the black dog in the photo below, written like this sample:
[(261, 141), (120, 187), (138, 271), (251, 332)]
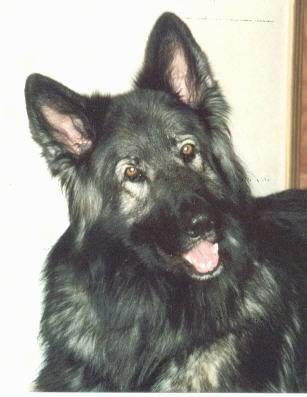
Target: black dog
[(171, 276)]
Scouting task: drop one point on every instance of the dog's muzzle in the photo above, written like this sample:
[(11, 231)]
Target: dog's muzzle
[(202, 253)]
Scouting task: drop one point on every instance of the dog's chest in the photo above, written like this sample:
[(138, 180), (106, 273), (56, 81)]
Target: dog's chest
[(202, 371)]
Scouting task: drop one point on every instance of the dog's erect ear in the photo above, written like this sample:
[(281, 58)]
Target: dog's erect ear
[(58, 121), (175, 63)]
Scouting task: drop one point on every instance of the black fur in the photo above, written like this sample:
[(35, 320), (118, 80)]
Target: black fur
[(149, 175)]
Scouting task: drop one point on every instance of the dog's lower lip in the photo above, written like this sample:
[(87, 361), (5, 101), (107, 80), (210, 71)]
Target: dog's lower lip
[(207, 276)]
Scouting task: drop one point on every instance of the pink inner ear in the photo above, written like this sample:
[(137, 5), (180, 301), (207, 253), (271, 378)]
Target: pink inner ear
[(67, 129), (179, 76)]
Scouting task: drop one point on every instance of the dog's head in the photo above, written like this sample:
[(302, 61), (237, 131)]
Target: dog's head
[(155, 162)]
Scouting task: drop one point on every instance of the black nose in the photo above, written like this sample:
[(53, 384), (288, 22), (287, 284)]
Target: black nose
[(200, 225), (197, 218)]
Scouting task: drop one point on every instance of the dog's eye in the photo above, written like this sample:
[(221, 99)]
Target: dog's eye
[(132, 173), (187, 152)]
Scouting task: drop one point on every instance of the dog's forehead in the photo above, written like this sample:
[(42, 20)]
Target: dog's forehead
[(151, 117), (146, 124)]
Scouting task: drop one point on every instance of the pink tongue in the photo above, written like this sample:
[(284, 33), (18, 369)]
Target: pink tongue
[(204, 256)]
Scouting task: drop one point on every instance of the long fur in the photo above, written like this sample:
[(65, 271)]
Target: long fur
[(123, 308)]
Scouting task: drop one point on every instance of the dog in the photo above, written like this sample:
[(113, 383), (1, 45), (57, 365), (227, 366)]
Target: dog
[(171, 277)]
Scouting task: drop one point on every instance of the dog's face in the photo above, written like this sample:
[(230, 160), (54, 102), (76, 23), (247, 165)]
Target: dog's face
[(160, 176), (155, 164)]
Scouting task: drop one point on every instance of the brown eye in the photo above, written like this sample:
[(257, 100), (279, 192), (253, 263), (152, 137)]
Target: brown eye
[(132, 173), (187, 152)]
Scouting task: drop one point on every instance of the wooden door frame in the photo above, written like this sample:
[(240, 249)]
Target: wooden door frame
[(298, 73)]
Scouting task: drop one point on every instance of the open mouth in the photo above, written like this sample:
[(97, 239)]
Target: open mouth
[(203, 258)]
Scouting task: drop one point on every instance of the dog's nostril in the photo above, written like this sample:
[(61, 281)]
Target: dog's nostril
[(200, 224), (197, 219)]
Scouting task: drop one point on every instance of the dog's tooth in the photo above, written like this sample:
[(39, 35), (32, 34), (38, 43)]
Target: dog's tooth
[(187, 257), (216, 248)]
